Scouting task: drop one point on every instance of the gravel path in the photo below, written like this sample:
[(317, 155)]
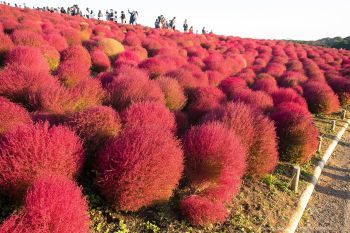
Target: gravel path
[(329, 207)]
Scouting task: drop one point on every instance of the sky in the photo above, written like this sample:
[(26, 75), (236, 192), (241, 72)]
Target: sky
[(260, 19)]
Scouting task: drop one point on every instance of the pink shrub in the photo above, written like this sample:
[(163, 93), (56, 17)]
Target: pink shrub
[(188, 79), (95, 125), (267, 84), (70, 73), (124, 90), (297, 135), (256, 132), (27, 82), (320, 98), (148, 113), (31, 150), (127, 57), (57, 41), (6, 45), (53, 204), (215, 160), (275, 69), (100, 61), (258, 99), (72, 36), (157, 66), (12, 115), (76, 54), (202, 211), (342, 87), (140, 168), (283, 95), (203, 100), (27, 38), (174, 95), (27, 56), (231, 84)]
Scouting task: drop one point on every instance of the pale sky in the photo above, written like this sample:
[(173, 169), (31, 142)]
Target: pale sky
[(266, 19)]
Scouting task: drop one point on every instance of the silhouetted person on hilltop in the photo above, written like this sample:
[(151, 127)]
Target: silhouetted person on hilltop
[(204, 31), (157, 23), (185, 26), (99, 15), (191, 29), (123, 17), (172, 23)]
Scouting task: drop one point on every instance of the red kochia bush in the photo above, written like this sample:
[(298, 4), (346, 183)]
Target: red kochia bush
[(70, 73), (53, 204), (202, 211), (31, 150), (95, 125), (100, 61), (6, 45), (28, 56), (256, 132), (342, 87), (283, 95), (26, 82), (140, 168), (123, 89), (204, 99), (28, 38), (149, 113), (267, 84), (215, 160), (174, 95), (297, 135), (77, 54), (320, 98), (127, 57), (57, 41), (12, 115)]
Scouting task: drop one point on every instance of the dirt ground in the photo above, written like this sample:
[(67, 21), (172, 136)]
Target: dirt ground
[(329, 207)]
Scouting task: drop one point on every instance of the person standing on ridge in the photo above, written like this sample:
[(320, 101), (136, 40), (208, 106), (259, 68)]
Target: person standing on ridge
[(99, 15), (185, 25), (123, 17)]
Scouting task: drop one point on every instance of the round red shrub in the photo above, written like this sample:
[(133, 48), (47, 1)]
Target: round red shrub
[(266, 84), (215, 160), (53, 204), (188, 79), (156, 66), (202, 211), (27, 82), (27, 56), (342, 87), (283, 95), (27, 38), (95, 125), (124, 89), (70, 73), (149, 113), (297, 135), (320, 98), (12, 115), (231, 84), (127, 57), (51, 55), (256, 132), (77, 54), (100, 61), (204, 99), (57, 41), (174, 95), (72, 36), (141, 167), (31, 150), (6, 45)]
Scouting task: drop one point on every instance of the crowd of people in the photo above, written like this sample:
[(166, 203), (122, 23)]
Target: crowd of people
[(111, 15)]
